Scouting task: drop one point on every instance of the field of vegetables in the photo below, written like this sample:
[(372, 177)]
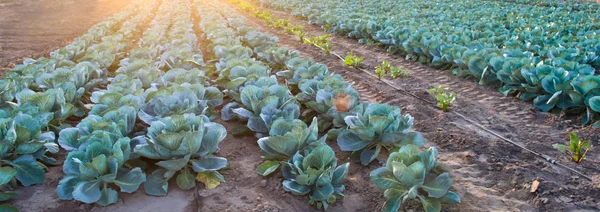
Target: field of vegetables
[(547, 52), (243, 105)]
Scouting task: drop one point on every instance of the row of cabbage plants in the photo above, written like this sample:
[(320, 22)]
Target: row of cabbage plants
[(545, 54), (24, 76), (41, 95), (272, 109), (268, 107), (161, 84)]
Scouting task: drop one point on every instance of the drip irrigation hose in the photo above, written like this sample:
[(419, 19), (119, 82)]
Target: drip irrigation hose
[(545, 157)]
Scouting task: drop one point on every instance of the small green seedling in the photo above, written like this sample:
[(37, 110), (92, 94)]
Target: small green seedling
[(577, 148), (264, 15), (382, 69), (443, 98), (280, 24), (298, 31), (395, 72), (300, 34), (353, 61), (323, 42)]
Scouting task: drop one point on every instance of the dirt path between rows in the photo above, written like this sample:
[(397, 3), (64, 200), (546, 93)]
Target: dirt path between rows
[(34, 28), (489, 174)]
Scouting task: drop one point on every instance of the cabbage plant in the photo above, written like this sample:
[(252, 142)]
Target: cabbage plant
[(301, 68), (179, 99), (92, 171), (560, 93), (109, 101), (285, 139), (589, 87), (413, 174), (261, 104), (331, 99), (84, 75), (50, 106), (231, 52), (23, 144), (246, 68), (315, 172), (239, 76), (121, 84), (180, 76), (258, 41), (277, 57), (183, 145), (375, 126), (93, 129)]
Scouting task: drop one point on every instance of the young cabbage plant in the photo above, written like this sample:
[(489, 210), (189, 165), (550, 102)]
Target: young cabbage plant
[(239, 76), (6, 194), (107, 101), (84, 75), (23, 145), (92, 171), (353, 61), (180, 76), (375, 126), (413, 174), (315, 173), (93, 129), (443, 98), (558, 90), (233, 52), (285, 139), (259, 42), (301, 69), (181, 55), (589, 87), (261, 106), (330, 99), (577, 148), (122, 84), (309, 88), (184, 145), (179, 99), (277, 57), (50, 107)]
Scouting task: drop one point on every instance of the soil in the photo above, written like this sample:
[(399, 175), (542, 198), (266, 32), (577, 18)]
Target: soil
[(34, 28), (489, 174)]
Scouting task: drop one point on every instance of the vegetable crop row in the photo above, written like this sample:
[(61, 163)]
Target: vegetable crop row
[(548, 55), (272, 111), (99, 38), (148, 108), (41, 95), (161, 85)]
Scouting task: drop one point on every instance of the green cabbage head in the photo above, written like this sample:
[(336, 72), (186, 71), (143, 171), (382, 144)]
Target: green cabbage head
[(315, 173), (375, 126), (182, 144), (414, 174)]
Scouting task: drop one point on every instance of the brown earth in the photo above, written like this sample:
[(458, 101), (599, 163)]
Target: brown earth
[(489, 174)]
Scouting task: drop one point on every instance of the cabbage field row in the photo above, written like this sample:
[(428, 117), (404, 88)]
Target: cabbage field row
[(136, 103), (545, 52)]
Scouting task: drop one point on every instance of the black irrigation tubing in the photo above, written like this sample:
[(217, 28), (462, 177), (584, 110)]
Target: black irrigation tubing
[(545, 157)]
